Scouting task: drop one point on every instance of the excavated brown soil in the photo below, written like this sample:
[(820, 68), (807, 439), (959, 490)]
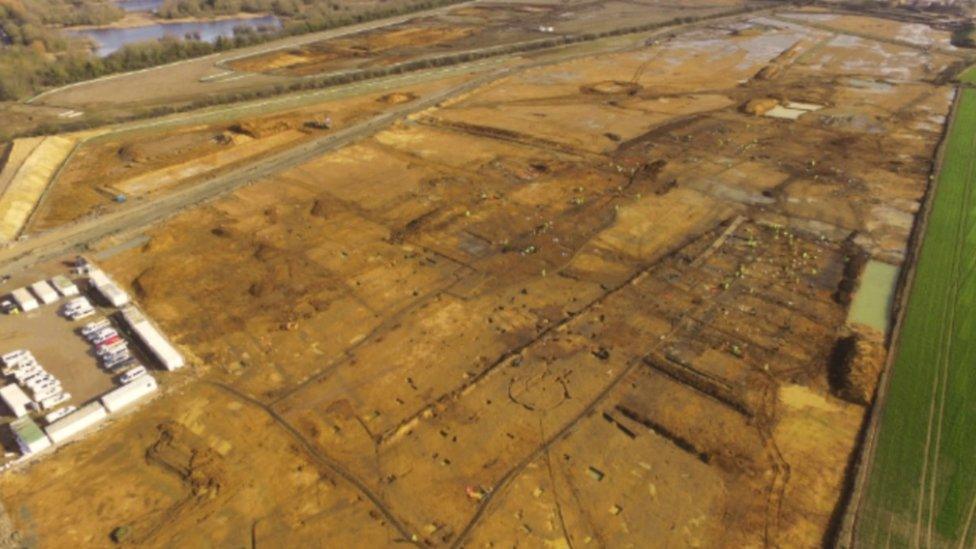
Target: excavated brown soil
[(533, 316)]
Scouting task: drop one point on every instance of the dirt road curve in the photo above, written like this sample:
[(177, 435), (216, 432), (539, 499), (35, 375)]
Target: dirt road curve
[(141, 214)]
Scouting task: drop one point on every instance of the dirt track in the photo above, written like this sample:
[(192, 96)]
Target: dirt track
[(64, 240), (184, 77)]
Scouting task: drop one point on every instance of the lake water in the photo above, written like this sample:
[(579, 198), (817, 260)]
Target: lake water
[(110, 40), (140, 5)]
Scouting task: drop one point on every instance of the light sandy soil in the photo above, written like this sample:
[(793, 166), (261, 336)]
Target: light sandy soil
[(148, 162), (467, 28), (583, 304), (505, 23)]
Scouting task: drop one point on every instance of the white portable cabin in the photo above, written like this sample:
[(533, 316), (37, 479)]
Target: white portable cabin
[(64, 286), (30, 437), (128, 394), (81, 419), (24, 299), (108, 289), (16, 400), (44, 292), (152, 339)]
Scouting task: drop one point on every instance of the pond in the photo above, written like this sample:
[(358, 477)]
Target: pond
[(873, 300), (109, 40)]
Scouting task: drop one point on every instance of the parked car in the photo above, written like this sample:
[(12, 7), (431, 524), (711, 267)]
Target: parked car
[(82, 314), (104, 335), (8, 307), (28, 372), (24, 373), (112, 362), (95, 326), (59, 413), (123, 363), (51, 402), (133, 374), (108, 343), (76, 307), (14, 356), (39, 379), (118, 347), (47, 394)]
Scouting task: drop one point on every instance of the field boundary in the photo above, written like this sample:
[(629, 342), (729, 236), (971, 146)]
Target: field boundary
[(847, 535)]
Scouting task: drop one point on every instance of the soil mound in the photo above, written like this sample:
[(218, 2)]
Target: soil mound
[(397, 98), (612, 87), (759, 107), (856, 364), (260, 128)]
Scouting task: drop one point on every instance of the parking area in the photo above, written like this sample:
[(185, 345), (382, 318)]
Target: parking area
[(38, 323)]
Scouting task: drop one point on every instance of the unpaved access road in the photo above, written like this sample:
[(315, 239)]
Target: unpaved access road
[(197, 75), (62, 240)]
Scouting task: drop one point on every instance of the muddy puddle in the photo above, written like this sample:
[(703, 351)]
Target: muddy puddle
[(872, 302)]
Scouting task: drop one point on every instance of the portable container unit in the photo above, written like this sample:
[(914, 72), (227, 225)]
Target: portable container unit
[(108, 289), (152, 339), (74, 423), (16, 400), (24, 299), (64, 286), (30, 437), (44, 292), (128, 394)]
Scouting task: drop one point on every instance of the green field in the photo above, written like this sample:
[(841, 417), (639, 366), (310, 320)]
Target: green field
[(921, 488), (968, 76)]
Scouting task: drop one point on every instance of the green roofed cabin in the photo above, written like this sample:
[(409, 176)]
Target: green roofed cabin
[(29, 435)]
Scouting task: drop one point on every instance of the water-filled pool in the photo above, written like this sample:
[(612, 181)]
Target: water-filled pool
[(109, 40)]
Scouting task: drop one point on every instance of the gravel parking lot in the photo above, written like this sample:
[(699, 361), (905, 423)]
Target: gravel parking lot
[(56, 342)]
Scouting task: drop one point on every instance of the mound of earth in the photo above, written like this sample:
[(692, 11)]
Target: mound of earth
[(397, 97), (858, 360), (260, 128), (612, 87), (759, 107)]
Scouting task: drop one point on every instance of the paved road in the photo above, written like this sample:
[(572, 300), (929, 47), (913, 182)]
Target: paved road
[(63, 240)]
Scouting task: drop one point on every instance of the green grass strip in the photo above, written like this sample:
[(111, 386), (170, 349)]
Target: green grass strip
[(921, 488)]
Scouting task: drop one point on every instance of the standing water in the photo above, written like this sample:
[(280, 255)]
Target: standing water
[(108, 40), (873, 300)]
